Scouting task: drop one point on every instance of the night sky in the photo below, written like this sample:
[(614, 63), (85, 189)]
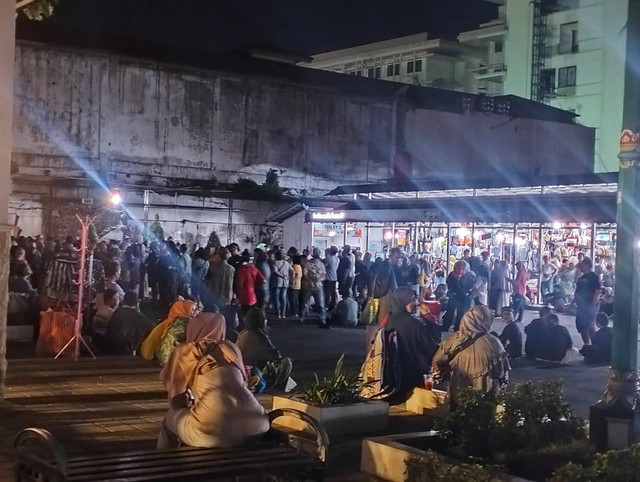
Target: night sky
[(220, 26)]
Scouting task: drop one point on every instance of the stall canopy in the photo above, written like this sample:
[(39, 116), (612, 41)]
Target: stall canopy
[(567, 199)]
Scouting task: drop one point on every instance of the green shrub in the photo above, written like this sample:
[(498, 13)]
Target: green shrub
[(341, 388), (472, 426), (615, 465), (536, 415), (531, 416), (433, 467)]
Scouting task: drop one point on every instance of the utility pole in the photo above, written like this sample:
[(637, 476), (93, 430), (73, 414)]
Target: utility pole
[(615, 419)]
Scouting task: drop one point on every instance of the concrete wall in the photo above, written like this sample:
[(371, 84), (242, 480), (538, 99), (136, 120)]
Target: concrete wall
[(480, 146), (122, 120)]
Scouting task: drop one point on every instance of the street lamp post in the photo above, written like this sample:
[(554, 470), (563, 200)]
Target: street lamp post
[(614, 420)]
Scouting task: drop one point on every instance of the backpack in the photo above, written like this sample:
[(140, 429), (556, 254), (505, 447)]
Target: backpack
[(383, 283), (380, 372)]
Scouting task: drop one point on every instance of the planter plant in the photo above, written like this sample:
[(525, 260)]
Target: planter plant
[(529, 430), (614, 465), (335, 401)]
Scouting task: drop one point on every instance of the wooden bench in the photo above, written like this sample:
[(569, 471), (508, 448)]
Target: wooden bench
[(280, 456)]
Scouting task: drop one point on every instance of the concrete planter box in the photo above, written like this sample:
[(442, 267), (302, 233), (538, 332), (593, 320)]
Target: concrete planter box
[(434, 403), (369, 416), (385, 457)]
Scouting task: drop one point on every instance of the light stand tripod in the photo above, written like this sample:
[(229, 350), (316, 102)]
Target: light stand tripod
[(77, 336)]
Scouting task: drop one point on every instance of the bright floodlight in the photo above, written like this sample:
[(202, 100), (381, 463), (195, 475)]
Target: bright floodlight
[(116, 198), (332, 234), (388, 235), (557, 225), (584, 226), (500, 237)]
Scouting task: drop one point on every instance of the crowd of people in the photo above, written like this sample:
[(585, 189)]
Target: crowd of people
[(215, 337)]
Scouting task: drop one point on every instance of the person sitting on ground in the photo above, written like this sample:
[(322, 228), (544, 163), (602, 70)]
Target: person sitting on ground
[(600, 349), (127, 327), (346, 313), (210, 405), (430, 321), (19, 279), (534, 331), (111, 277), (472, 357), (416, 342), (170, 333), (511, 336), (258, 350), (103, 316), (555, 344)]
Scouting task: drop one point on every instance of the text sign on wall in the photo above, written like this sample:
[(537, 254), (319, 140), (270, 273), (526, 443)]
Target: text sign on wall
[(331, 216)]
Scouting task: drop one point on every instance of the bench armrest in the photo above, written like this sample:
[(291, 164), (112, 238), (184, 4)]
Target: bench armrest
[(30, 438), (322, 439)]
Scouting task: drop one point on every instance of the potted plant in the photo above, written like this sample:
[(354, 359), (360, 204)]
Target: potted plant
[(336, 403)]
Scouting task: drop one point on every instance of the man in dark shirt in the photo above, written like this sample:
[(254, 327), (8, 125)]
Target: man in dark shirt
[(600, 349), (534, 332), (235, 260), (460, 283), (587, 298), (511, 336), (555, 342)]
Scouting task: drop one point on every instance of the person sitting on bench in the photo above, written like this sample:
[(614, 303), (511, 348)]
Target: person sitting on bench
[(600, 349), (210, 404)]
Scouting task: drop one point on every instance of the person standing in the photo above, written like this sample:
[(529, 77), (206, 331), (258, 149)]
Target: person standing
[(548, 272), (459, 287), (235, 260), (343, 272), (283, 272), (587, 297), (331, 263), (221, 275), (520, 290), (315, 275), (199, 270), (262, 292), (247, 278), (153, 270), (296, 285)]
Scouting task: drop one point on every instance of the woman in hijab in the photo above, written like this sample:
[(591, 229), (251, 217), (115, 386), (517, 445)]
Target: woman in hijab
[(472, 356), (258, 351), (417, 342), (164, 337), (209, 402)]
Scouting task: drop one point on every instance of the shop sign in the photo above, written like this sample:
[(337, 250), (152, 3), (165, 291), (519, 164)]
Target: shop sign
[(330, 216)]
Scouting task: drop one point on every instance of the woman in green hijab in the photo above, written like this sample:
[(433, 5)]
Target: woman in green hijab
[(258, 350)]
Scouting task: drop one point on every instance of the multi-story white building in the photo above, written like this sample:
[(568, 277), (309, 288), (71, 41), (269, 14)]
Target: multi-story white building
[(414, 59), (571, 54)]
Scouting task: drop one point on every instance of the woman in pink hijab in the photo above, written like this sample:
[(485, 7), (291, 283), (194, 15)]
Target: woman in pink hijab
[(209, 402)]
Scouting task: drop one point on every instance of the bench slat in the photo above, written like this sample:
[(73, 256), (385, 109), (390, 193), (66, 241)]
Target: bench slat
[(153, 462), (163, 454), (236, 467)]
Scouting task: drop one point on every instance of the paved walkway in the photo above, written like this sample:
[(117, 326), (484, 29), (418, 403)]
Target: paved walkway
[(117, 403)]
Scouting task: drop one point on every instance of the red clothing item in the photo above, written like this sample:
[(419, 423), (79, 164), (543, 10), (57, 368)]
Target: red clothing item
[(247, 277), (520, 283)]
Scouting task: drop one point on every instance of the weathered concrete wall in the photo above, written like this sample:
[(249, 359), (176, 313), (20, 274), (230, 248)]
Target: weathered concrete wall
[(129, 120)]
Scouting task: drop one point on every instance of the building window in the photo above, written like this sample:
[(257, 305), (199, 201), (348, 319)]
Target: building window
[(417, 65), (377, 73), (567, 77), (359, 73), (396, 69), (390, 70), (497, 47), (568, 38), (410, 67), (548, 81), (370, 72), (393, 69)]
